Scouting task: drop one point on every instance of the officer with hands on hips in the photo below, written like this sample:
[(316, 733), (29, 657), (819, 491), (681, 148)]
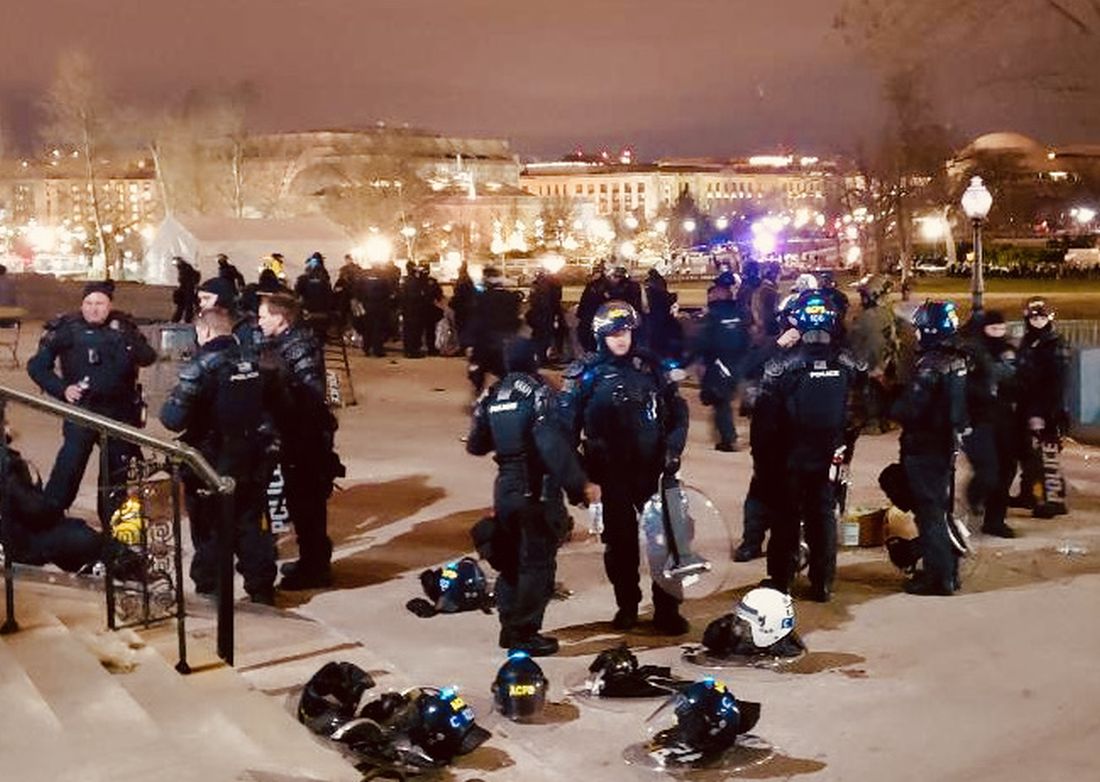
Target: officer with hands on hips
[(99, 352), (634, 422), (517, 420), (219, 406)]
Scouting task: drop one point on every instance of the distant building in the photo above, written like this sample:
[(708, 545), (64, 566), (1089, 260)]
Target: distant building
[(618, 188)]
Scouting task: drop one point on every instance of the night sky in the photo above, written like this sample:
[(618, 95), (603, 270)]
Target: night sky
[(714, 77)]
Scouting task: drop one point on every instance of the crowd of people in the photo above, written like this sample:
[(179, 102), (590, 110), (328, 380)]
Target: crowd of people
[(810, 375)]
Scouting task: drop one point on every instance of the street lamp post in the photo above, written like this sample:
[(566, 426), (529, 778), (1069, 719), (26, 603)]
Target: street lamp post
[(976, 202)]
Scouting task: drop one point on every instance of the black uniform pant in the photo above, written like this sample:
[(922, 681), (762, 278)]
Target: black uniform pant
[(523, 592), (624, 495), (810, 504), (70, 544), (68, 469), (763, 502), (374, 325), (308, 487), (990, 450), (412, 333), (929, 477), (253, 543), (723, 417)]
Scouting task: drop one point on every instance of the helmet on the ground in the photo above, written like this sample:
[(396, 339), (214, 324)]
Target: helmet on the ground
[(814, 311), (708, 720), (872, 287), (935, 321), (459, 586), (331, 696), (1037, 306), (520, 687), (768, 614), (446, 726), (612, 317), (617, 661)]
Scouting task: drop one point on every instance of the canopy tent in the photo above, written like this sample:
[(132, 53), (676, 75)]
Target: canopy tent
[(198, 240)]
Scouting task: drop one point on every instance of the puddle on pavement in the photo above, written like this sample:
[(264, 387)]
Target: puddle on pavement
[(779, 766), (425, 545), (362, 507), (857, 583), (555, 714)]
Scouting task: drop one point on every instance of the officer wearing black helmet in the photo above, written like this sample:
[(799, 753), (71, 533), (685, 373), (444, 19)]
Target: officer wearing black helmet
[(592, 298), (626, 403), (495, 319), (932, 413), (98, 351), (218, 405), (804, 404), (516, 419), (621, 288)]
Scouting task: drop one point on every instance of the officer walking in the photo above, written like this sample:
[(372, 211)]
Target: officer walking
[(99, 352), (804, 404), (721, 347), (544, 314), (516, 419), (187, 278), (227, 271), (219, 407), (932, 414), (635, 426), (306, 432)]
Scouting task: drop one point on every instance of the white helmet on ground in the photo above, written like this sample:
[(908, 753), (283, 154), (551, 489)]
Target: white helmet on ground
[(769, 614)]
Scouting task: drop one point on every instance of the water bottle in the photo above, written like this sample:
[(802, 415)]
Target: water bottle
[(595, 518), (84, 384)]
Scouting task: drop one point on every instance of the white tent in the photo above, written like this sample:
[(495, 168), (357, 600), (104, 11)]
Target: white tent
[(198, 240)]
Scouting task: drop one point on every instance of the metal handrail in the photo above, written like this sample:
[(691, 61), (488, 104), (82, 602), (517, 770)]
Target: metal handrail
[(184, 455), (178, 455)]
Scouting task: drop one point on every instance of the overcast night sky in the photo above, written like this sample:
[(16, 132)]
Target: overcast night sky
[(717, 77)]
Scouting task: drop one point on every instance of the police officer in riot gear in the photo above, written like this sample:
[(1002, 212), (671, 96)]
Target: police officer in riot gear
[(635, 426), (99, 351), (314, 289), (516, 419), (932, 413), (373, 289), (993, 439), (219, 407), (1043, 365), (721, 347), (307, 431), (804, 404), (592, 298), (495, 319)]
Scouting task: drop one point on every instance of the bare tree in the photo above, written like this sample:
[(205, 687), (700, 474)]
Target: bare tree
[(79, 115)]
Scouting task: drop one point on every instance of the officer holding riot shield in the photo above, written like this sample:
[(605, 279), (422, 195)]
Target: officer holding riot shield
[(635, 424), (516, 420)]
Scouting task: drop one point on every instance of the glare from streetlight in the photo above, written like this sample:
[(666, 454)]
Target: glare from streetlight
[(722, 223), (688, 225), (977, 200)]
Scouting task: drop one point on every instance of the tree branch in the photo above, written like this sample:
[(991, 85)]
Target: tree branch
[(1070, 16)]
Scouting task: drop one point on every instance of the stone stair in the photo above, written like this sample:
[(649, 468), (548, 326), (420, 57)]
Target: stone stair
[(64, 716)]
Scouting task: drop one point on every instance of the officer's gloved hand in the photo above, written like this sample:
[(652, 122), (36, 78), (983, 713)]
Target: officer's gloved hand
[(672, 465)]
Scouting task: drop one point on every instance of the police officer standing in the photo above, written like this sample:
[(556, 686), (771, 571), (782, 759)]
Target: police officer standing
[(721, 347), (314, 289), (219, 406), (544, 314), (932, 414), (374, 291), (1043, 362), (593, 297), (495, 320), (635, 426), (516, 418), (874, 341), (99, 352), (993, 439), (306, 432), (804, 404)]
